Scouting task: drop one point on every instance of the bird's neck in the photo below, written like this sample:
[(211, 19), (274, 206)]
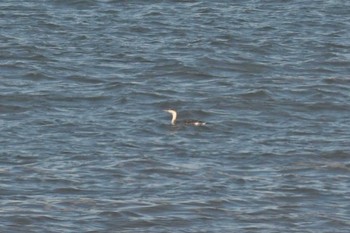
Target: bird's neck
[(174, 118)]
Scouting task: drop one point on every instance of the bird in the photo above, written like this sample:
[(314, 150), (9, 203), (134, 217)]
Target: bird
[(186, 122)]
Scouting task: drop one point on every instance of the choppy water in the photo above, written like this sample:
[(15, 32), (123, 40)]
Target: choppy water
[(86, 147)]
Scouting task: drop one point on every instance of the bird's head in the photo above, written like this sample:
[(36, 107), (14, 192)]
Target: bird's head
[(170, 111)]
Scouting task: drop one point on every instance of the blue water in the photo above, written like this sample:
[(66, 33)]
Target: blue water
[(85, 145)]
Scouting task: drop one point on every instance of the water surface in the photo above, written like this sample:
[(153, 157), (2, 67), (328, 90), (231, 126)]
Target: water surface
[(86, 147)]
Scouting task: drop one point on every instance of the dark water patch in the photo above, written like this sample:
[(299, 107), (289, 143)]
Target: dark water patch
[(75, 4), (37, 76), (86, 79), (10, 109), (258, 94), (337, 80), (67, 190)]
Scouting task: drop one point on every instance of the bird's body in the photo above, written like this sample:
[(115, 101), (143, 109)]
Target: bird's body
[(186, 122)]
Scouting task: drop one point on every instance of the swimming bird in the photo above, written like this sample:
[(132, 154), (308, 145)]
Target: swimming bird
[(186, 122)]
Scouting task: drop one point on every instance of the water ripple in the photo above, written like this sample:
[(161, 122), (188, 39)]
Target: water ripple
[(86, 146)]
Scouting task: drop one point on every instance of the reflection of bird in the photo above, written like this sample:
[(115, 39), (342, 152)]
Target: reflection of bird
[(186, 122)]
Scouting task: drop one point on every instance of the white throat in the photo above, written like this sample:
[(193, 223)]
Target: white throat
[(174, 115)]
